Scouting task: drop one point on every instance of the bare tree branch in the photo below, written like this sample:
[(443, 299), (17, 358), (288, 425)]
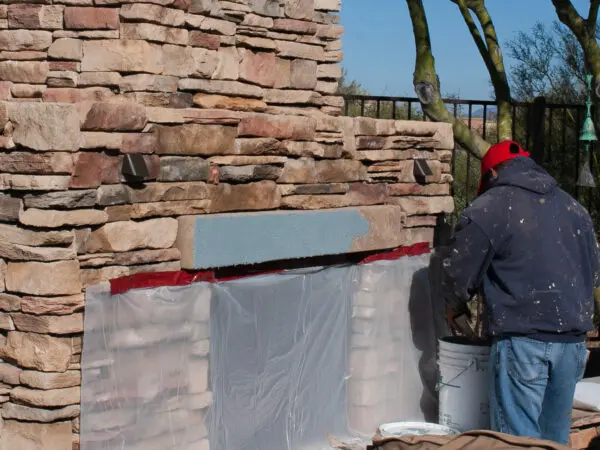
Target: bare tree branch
[(592, 19), (427, 86), (570, 17)]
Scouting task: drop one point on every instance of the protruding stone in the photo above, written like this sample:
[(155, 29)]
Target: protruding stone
[(174, 168), (46, 398), (69, 49), (262, 68), (230, 103), (84, 18), (44, 17), (153, 13), (10, 374), (125, 236), (36, 436), (59, 306), (93, 169), (245, 197), (115, 117), (45, 126), (28, 414), (154, 33), (10, 208), (19, 40), (36, 278), (196, 140), (121, 56), (45, 218), (37, 163), (34, 72), (281, 127), (37, 351), (303, 74), (68, 324)]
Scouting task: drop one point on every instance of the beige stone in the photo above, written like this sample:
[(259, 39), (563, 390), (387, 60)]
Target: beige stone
[(20, 252), (121, 56), (225, 102), (424, 205), (49, 324), (228, 65), (153, 13), (54, 218), (153, 192), (158, 209), (37, 351), (195, 139), (125, 236), (45, 126), (46, 398), (16, 235), (36, 278), (34, 72), (66, 49), (20, 182), (36, 436), (150, 83), (9, 374), (19, 40), (280, 127), (262, 195), (9, 302), (152, 32), (37, 163), (65, 305), (198, 373), (29, 414), (2, 274), (6, 322)]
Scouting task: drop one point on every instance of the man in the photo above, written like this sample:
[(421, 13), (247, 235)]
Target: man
[(530, 249)]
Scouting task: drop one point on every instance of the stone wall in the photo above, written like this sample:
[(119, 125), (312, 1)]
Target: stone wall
[(227, 105)]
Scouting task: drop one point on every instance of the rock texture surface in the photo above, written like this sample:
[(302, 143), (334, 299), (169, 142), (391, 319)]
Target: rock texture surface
[(228, 107)]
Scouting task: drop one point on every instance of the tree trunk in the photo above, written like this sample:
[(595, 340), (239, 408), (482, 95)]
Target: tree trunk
[(427, 85)]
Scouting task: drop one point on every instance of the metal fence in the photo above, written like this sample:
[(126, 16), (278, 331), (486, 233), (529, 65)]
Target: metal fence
[(549, 130)]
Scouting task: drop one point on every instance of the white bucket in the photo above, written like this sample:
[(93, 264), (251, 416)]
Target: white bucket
[(414, 428), (464, 385)]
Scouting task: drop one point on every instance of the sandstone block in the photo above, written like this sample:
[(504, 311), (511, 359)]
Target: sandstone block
[(125, 236), (99, 79), (49, 324), (152, 192), (408, 189), (245, 197), (243, 160), (290, 49), (28, 414), (173, 168), (27, 91), (328, 5), (37, 351), (262, 68), (47, 398), (93, 169), (44, 17), (203, 23), (159, 209), (86, 18), (228, 64), (280, 127), (124, 116), (230, 103), (184, 61), (45, 127), (303, 74), (37, 163), (2, 274), (34, 182), (36, 278), (121, 56), (19, 40), (52, 305), (223, 87), (153, 13), (9, 374), (292, 97), (9, 302), (69, 95), (149, 83), (24, 71), (55, 218), (10, 208), (329, 71), (294, 26), (196, 139), (36, 436), (155, 33), (15, 235), (204, 40), (69, 49), (300, 9), (139, 143), (424, 205), (243, 174), (18, 252), (6, 323), (68, 199)]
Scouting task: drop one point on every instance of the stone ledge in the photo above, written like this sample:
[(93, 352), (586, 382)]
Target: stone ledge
[(216, 240)]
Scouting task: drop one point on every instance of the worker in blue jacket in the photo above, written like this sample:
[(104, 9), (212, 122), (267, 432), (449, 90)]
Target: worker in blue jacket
[(531, 250)]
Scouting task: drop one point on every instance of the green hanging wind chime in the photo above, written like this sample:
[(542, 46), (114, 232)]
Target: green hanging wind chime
[(588, 137)]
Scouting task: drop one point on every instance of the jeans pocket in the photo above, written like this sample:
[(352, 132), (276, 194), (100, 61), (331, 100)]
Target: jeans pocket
[(527, 360)]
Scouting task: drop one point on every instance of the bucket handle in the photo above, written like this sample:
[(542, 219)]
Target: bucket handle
[(441, 384)]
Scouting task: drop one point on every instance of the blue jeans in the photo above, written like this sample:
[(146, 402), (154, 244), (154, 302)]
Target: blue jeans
[(532, 386)]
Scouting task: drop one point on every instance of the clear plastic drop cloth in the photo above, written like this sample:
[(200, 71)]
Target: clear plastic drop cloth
[(286, 361)]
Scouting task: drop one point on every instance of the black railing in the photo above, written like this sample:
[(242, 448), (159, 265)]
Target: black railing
[(549, 130)]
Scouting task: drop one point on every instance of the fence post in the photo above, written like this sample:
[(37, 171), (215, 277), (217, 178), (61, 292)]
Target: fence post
[(536, 124)]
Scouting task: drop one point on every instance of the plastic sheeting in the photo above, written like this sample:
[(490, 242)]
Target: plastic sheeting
[(271, 362)]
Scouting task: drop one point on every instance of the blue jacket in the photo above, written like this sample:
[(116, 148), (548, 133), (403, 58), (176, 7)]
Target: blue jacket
[(530, 249)]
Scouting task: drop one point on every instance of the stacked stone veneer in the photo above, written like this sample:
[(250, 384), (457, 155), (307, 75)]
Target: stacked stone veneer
[(232, 106)]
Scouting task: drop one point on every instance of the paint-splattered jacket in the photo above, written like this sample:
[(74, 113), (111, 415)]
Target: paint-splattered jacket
[(531, 249)]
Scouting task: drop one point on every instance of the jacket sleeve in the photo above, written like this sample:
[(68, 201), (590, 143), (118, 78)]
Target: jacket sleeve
[(466, 260)]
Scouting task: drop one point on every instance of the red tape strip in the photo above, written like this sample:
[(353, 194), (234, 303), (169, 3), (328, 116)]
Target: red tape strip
[(182, 278)]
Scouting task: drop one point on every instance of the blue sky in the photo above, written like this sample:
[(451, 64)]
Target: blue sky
[(379, 45)]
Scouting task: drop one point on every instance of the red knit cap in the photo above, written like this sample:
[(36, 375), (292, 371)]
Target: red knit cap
[(499, 153)]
